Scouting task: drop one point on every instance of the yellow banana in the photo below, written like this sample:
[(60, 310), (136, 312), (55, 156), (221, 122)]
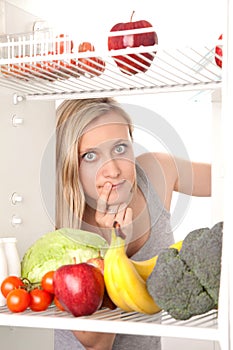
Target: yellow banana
[(145, 267), (125, 286), (111, 276), (134, 290)]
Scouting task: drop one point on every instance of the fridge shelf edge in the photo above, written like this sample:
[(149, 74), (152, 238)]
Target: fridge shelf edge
[(200, 327)]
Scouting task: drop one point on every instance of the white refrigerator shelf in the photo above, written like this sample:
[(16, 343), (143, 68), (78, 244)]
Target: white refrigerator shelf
[(55, 76), (203, 327)]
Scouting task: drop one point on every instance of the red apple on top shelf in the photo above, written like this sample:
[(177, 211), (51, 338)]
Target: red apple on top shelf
[(68, 68), (133, 64), (44, 69), (91, 66), (218, 53), (63, 44), (18, 70)]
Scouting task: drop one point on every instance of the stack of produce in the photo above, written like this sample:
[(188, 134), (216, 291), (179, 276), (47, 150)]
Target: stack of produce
[(53, 268), (80, 273)]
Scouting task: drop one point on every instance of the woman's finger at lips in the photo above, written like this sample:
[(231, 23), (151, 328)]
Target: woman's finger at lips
[(103, 198)]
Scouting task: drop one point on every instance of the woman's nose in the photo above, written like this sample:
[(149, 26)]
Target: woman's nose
[(111, 168)]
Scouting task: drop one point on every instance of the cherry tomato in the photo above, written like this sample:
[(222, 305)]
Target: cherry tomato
[(47, 282), (18, 300), (58, 304), (10, 283), (40, 299)]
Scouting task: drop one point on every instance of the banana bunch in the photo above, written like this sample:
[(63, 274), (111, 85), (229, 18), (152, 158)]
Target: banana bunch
[(125, 279)]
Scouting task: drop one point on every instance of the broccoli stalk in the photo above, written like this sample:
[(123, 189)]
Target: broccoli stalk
[(186, 283)]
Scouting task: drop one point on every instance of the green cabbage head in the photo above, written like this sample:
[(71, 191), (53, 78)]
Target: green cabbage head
[(61, 247)]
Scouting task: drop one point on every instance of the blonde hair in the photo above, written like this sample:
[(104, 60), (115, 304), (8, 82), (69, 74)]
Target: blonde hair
[(73, 116)]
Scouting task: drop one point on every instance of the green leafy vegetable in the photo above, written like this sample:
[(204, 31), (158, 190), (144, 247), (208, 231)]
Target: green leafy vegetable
[(60, 247), (186, 283)]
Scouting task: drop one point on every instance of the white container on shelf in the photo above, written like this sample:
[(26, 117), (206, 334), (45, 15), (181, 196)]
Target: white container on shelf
[(12, 256), (3, 270)]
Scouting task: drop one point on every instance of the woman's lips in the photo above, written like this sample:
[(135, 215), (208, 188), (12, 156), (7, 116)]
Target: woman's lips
[(116, 185)]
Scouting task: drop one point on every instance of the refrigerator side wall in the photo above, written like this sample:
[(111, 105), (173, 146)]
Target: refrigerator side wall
[(27, 146)]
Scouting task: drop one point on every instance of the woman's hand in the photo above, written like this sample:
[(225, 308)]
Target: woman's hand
[(106, 215), (95, 341)]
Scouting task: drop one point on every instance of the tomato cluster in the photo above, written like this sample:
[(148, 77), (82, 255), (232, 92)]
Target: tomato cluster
[(20, 294)]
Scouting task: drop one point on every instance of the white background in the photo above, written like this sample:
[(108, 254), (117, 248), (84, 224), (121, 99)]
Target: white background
[(176, 22)]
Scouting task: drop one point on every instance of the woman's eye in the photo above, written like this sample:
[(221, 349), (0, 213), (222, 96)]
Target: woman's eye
[(89, 156), (119, 149)]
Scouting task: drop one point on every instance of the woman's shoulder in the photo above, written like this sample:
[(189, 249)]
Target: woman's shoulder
[(155, 160), (161, 170)]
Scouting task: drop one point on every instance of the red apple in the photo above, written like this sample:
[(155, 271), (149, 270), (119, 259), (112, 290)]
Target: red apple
[(16, 70), (68, 68), (44, 69), (133, 40), (50, 66), (47, 68), (94, 66), (218, 52), (63, 46), (98, 262), (79, 288), (107, 301)]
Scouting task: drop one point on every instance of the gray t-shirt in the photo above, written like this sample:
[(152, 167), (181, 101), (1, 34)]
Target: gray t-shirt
[(161, 237)]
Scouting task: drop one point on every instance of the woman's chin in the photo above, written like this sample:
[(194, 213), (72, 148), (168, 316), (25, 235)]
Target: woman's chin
[(119, 199)]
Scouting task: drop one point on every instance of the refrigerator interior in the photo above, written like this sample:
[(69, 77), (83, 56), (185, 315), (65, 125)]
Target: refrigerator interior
[(28, 120)]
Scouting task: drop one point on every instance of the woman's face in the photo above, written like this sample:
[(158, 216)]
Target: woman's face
[(106, 155)]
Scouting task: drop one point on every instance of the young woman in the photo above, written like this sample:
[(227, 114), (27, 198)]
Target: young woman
[(100, 181)]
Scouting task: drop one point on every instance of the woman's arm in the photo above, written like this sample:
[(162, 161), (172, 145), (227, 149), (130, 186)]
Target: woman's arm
[(168, 174), (199, 176), (95, 340)]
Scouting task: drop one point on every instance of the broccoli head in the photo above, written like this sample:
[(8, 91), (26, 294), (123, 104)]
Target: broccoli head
[(201, 251), (186, 283)]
